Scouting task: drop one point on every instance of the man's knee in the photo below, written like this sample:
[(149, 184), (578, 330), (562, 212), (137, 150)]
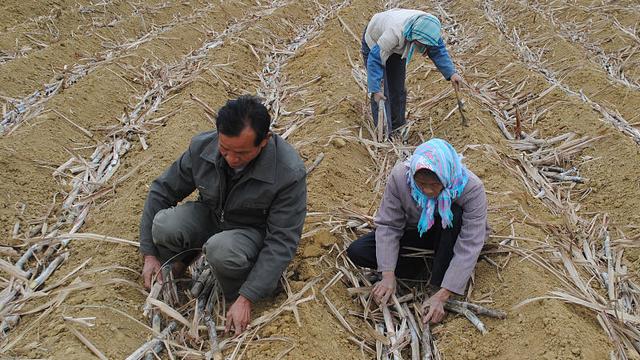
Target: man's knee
[(223, 255), (164, 230)]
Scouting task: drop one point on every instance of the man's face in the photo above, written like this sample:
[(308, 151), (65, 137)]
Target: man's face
[(238, 151)]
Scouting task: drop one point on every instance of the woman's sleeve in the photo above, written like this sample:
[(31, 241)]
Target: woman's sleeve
[(440, 57), (375, 70), (470, 240), (390, 222)]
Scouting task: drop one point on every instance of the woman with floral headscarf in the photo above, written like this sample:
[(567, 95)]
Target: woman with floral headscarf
[(388, 43), (431, 201)]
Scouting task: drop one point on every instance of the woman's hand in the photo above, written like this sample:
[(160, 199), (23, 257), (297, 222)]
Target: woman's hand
[(384, 288), (435, 307), (456, 81)]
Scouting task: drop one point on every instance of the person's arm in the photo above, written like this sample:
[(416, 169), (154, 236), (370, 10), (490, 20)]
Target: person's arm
[(390, 223), (433, 307), (375, 70), (284, 228), (166, 191), (172, 186), (470, 240), (441, 59)]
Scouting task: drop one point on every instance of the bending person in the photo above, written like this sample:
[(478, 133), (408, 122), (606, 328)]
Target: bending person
[(388, 43), (431, 201), (249, 214)]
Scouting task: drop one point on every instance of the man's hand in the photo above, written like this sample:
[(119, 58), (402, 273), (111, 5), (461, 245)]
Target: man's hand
[(151, 267), (384, 288), (435, 305), (238, 316), (379, 96), (456, 81)]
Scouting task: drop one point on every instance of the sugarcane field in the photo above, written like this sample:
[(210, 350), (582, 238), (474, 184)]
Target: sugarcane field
[(320, 179)]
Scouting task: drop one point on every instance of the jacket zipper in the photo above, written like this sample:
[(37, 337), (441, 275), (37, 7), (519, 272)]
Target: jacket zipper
[(224, 206), (220, 193)]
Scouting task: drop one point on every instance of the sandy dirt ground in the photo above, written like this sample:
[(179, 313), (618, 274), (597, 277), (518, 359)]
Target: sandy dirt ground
[(83, 74)]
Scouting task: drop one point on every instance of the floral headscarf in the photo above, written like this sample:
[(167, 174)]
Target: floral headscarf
[(440, 157)]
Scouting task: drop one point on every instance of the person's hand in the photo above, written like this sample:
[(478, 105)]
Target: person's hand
[(384, 288), (435, 307), (151, 267), (456, 81), (378, 96), (238, 316)]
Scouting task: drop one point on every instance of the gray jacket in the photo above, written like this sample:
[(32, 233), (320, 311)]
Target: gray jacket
[(271, 196), (398, 211)]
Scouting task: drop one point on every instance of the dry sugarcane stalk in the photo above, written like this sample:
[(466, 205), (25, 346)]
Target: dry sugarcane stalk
[(316, 162), (473, 318), (380, 346), (37, 282), (199, 284), (391, 331), (27, 255), (382, 121), (154, 292), (14, 270), (137, 355), (461, 109), (214, 351), (89, 236), (169, 290), (560, 177), (87, 343), (84, 131), (415, 337), (9, 293), (169, 311), (427, 342), (84, 321), (478, 309), (8, 323), (156, 321), (211, 113), (344, 24), (202, 302)]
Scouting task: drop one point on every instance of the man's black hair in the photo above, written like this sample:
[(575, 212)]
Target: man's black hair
[(244, 111)]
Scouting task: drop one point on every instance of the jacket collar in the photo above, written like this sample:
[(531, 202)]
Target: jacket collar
[(262, 168)]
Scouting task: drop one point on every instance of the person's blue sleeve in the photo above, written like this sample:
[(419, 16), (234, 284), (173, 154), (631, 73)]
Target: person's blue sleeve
[(375, 70), (440, 57)]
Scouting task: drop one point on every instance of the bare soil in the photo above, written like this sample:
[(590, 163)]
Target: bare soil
[(46, 38)]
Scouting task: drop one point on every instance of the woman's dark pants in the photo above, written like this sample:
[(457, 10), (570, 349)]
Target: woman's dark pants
[(394, 89), (362, 252)]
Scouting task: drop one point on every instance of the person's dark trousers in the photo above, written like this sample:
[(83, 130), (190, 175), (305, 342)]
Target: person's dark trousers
[(362, 251), (394, 89)]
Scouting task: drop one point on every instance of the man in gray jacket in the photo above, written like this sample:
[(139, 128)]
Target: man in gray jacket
[(249, 214)]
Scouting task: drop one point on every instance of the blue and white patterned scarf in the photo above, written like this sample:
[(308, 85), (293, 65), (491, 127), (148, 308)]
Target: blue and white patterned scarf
[(440, 157), (424, 28)]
